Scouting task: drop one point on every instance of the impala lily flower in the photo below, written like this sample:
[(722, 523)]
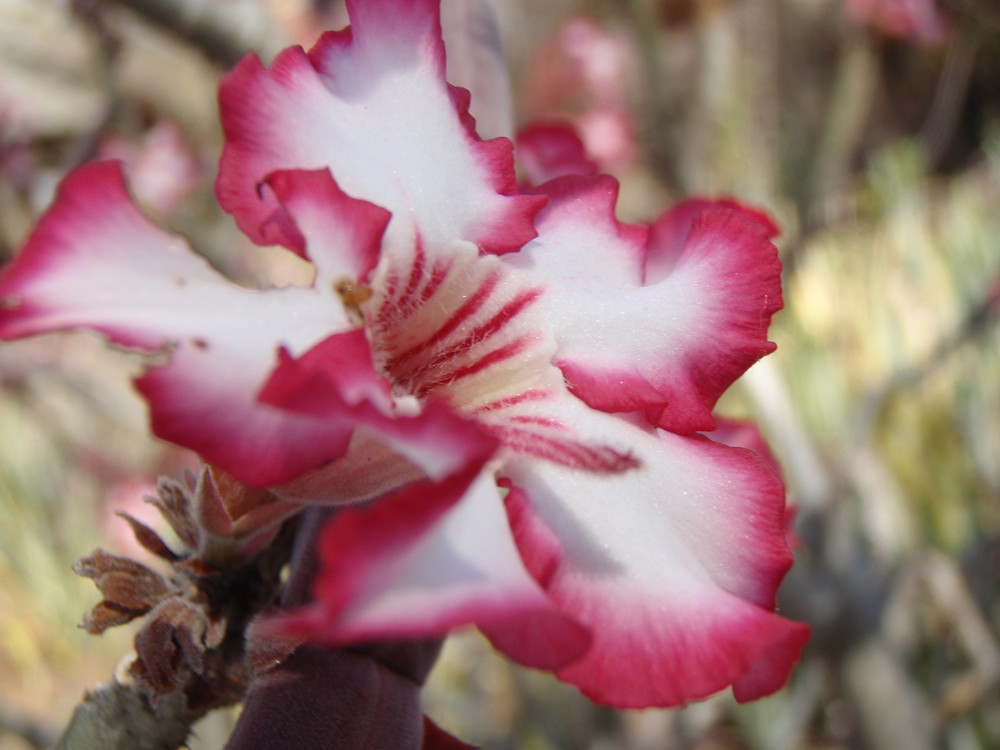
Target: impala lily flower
[(518, 381)]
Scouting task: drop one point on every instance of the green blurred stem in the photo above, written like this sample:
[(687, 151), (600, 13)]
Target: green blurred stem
[(976, 322), (115, 717)]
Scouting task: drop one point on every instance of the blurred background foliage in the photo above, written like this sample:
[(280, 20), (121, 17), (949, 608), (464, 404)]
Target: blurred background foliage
[(869, 128)]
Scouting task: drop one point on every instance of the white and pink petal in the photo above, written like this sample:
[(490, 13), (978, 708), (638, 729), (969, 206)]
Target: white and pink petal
[(664, 331), (371, 104), (336, 382), (95, 262), (342, 235), (673, 565), (427, 559)]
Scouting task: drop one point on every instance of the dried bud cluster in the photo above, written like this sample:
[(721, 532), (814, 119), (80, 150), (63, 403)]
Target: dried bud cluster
[(227, 571)]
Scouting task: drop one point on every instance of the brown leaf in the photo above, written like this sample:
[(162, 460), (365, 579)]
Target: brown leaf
[(173, 501), (210, 509), (122, 580), (134, 592), (99, 562), (148, 538), (171, 640), (106, 615), (129, 588)]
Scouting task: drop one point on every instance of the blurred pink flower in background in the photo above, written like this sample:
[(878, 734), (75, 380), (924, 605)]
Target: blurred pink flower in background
[(162, 169), (581, 75), (126, 496), (917, 20)]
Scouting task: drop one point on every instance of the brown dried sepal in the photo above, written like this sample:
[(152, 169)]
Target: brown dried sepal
[(173, 501), (227, 568), (221, 521), (172, 643), (129, 588), (148, 538)]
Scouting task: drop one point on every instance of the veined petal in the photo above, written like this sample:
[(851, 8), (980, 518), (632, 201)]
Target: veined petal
[(666, 337), (372, 104), (427, 559), (673, 566), (94, 261), (466, 329)]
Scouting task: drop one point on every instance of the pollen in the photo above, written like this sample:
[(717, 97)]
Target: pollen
[(353, 295)]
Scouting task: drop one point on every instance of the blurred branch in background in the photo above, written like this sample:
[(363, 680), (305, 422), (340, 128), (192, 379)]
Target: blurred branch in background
[(223, 31), (952, 88)]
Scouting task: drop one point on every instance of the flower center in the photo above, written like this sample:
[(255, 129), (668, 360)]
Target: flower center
[(353, 295), (456, 328), (464, 328)]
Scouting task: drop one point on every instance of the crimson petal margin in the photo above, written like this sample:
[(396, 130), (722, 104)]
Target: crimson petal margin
[(372, 104), (547, 150), (628, 340), (668, 234), (673, 566), (95, 262), (424, 560)]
